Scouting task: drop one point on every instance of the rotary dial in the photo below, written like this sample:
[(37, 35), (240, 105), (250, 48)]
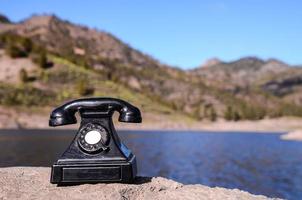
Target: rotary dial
[(93, 138)]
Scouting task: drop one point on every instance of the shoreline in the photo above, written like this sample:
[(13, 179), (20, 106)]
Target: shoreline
[(290, 126)]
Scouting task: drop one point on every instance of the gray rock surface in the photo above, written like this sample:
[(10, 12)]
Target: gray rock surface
[(33, 183)]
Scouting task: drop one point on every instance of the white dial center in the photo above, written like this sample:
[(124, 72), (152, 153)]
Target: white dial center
[(92, 137)]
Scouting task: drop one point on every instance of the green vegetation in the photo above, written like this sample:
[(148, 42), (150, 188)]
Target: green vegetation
[(287, 109), (24, 96), (14, 51), (213, 114), (68, 73), (16, 46), (244, 111), (73, 81), (206, 112), (42, 60), (23, 75), (231, 114), (252, 112), (83, 88)]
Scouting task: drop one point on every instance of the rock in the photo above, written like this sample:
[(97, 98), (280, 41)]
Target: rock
[(211, 62), (7, 120), (293, 135), (134, 83), (33, 183)]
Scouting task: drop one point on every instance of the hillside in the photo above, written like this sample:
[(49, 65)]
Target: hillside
[(45, 60), (272, 79)]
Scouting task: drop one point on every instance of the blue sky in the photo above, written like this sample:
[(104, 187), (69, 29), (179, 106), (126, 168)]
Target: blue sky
[(185, 33)]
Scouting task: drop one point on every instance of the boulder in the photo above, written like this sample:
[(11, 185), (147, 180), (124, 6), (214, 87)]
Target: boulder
[(33, 183)]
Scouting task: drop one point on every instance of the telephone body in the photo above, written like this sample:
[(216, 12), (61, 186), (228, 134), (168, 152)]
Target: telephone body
[(96, 153)]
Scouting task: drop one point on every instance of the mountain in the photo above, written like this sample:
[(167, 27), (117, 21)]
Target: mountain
[(55, 60), (243, 72), (67, 39), (4, 19), (211, 62), (272, 76)]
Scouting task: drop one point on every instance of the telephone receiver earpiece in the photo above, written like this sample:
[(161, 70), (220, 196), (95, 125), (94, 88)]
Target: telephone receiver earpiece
[(65, 114), (96, 154)]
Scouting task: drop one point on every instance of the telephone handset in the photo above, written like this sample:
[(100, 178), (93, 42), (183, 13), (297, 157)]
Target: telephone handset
[(96, 154)]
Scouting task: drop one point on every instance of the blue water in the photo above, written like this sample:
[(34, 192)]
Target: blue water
[(258, 163)]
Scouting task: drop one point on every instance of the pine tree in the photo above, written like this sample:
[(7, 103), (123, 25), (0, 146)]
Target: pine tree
[(228, 114), (42, 60), (236, 116), (213, 114)]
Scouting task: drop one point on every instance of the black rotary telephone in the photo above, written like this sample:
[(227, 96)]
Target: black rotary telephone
[(96, 154)]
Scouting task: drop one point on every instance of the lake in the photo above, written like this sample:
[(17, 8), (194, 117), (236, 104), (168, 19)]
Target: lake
[(257, 163)]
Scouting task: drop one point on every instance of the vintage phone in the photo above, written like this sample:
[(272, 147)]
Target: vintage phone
[(96, 154)]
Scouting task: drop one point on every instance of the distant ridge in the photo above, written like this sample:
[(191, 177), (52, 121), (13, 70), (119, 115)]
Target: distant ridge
[(4, 19), (211, 62)]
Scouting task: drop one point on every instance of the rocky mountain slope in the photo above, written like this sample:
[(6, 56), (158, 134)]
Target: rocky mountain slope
[(45, 60), (241, 73), (271, 77)]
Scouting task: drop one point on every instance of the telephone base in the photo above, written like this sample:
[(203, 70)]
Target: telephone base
[(108, 172)]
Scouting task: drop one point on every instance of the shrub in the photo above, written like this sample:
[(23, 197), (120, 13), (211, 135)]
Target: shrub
[(83, 88), (26, 44), (14, 52), (213, 114), (67, 75), (24, 96), (251, 112), (228, 114), (23, 75), (42, 61), (15, 45), (236, 116), (232, 114)]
